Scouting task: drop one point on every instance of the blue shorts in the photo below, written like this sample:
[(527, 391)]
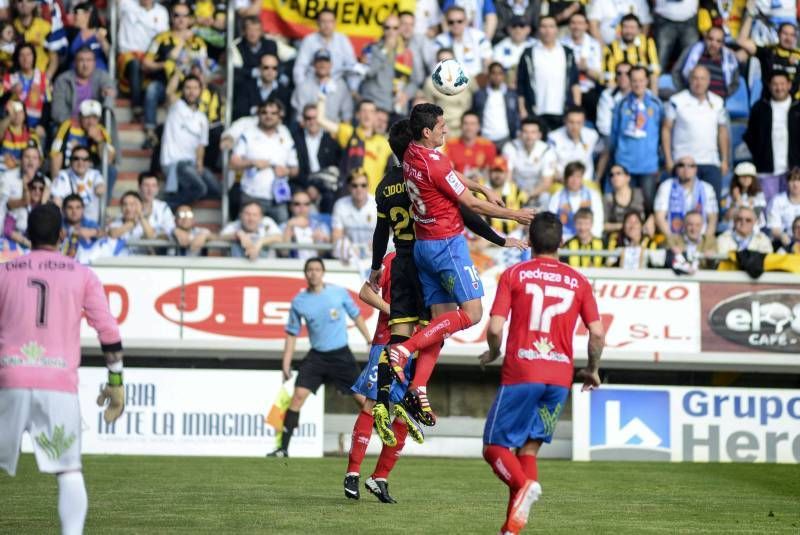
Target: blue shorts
[(522, 412), (446, 271), (367, 382)]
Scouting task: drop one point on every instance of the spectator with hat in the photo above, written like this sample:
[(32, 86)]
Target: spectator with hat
[(744, 191), (513, 197), (16, 135), (342, 55), (338, 101), (87, 132), (680, 195)]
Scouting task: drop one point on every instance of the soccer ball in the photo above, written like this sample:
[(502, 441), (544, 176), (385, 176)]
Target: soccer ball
[(449, 77)]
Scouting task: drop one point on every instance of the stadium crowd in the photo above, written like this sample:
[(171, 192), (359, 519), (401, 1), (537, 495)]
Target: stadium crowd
[(659, 129)]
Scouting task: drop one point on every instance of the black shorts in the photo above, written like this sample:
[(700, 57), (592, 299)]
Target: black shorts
[(338, 367), (407, 305)]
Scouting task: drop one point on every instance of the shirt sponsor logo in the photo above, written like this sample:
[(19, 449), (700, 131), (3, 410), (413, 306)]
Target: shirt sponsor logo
[(454, 182), (543, 350), (242, 307)]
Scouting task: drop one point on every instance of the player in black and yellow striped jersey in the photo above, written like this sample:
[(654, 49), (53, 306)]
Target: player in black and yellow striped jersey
[(584, 241), (632, 47), (513, 197)]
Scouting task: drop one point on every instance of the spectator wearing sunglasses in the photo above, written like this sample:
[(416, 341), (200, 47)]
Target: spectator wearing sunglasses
[(16, 221), (744, 236), (303, 227), (470, 45), (253, 91), (189, 236), (81, 179), (354, 219)]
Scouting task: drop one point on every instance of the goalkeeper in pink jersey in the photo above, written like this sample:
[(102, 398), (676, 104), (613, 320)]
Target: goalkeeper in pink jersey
[(43, 296)]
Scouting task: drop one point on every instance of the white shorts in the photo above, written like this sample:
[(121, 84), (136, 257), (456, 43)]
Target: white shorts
[(53, 420)]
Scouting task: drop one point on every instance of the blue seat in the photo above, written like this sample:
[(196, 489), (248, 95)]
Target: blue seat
[(755, 90), (665, 83), (738, 104)]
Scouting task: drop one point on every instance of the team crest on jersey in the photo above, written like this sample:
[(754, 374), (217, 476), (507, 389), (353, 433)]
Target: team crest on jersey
[(334, 313), (434, 156)]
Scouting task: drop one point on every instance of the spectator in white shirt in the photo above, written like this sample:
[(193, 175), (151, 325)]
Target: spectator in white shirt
[(589, 57), (354, 220), (696, 124), (304, 228), (547, 79), (343, 57), (132, 223), (508, 51), (605, 16), (251, 232), (189, 236), (157, 212), (481, 14), (532, 162), (785, 207), (575, 142), (82, 180), (686, 193), (139, 22), (744, 236), (13, 193), (572, 197), (267, 156), (184, 143), (471, 47)]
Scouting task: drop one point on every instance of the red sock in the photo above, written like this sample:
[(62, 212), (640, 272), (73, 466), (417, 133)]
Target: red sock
[(362, 431), (423, 368), (505, 465), (528, 463), (389, 455), (437, 330)]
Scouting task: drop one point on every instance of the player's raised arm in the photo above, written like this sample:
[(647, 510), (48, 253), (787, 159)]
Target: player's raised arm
[(480, 227), (466, 198), (476, 187)]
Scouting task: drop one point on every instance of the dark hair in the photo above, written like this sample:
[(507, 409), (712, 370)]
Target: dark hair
[(578, 13), (635, 68), (794, 174), (273, 102), (472, 113), (313, 259), (532, 120), (270, 55), (400, 137), (72, 197), (325, 9), (494, 65), (572, 168), (250, 203), (424, 116), (455, 7), (19, 49), (795, 221), (693, 212), (630, 16), (754, 189), (251, 19), (85, 49), (720, 28), (363, 102), (189, 78), (544, 17), (621, 237), (131, 193), (94, 18), (144, 176), (445, 49), (405, 13), (779, 73), (44, 225), (574, 109), (583, 213), (624, 169), (38, 178), (545, 233), (76, 149), (782, 25)]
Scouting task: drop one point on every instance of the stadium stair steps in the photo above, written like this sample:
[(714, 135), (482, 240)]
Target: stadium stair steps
[(135, 160)]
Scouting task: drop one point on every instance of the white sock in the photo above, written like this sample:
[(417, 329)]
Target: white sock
[(72, 502)]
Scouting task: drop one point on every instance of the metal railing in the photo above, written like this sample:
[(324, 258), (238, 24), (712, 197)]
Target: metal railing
[(230, 21), (108, 115)]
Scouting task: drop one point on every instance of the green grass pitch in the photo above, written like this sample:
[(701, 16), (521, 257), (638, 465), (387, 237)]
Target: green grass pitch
[(437, 496)]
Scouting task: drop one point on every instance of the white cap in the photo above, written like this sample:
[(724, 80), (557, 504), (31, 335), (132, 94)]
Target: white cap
[(745, 169), (91, 107)]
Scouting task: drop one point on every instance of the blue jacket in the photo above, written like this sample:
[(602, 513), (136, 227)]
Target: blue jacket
[(633, 145), (512, 111)]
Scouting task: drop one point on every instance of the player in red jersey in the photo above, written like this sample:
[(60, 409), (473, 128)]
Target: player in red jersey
[(450, 282), (367, 385), (545, 298)]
